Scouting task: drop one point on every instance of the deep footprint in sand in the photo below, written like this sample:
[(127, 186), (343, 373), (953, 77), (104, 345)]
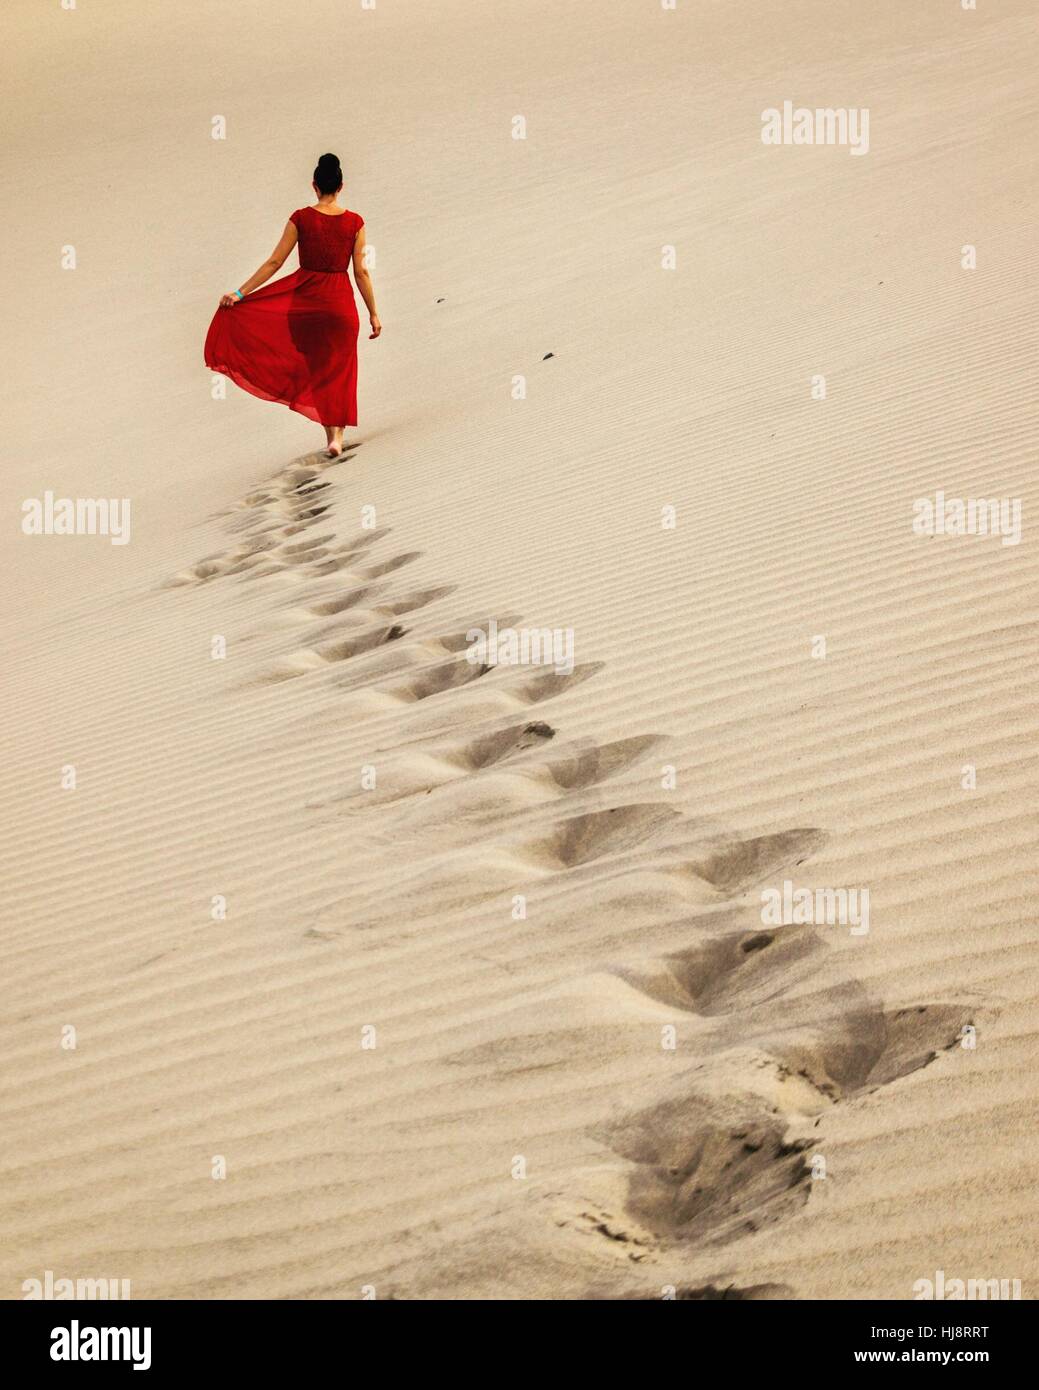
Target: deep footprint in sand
[(741, 864), (869, 1047), (737, 970), (430, 766), (435, 680), (373, 571), (708, 1173), (584, 838), (327, 654)]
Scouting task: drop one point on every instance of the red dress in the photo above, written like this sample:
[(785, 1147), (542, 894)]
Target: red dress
[(294, 340)]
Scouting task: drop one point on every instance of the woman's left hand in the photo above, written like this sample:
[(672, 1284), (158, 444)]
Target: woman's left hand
[(228, 300)]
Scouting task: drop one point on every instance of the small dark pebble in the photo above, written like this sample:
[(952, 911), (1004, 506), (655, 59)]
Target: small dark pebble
[(547, 356)]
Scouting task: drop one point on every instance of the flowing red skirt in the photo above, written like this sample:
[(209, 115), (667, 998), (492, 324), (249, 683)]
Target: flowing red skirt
[(293, 341)]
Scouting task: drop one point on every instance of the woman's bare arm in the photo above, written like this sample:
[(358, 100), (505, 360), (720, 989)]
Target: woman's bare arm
[(364, 283), (274, 262)]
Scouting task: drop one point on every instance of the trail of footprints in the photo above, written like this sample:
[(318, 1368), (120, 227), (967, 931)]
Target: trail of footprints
[(269, 518), (700, 1167)]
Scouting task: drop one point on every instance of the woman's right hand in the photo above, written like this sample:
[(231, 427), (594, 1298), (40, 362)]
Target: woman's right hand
[(228, 300), (376, 326)]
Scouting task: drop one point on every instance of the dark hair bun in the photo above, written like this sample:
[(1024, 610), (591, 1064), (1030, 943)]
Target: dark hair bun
[(329, 174)]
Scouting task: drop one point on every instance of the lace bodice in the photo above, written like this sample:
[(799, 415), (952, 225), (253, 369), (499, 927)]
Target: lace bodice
[(325, 243)]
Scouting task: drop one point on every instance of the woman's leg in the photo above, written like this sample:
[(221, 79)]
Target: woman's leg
[(334, 440)]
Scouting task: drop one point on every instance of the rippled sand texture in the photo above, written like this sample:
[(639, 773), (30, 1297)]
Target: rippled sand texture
[(457, 970)]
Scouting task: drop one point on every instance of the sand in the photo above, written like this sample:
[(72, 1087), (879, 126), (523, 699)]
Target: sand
[(508, 1022)]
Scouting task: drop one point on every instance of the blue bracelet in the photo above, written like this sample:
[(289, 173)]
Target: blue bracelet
[(238, 293)]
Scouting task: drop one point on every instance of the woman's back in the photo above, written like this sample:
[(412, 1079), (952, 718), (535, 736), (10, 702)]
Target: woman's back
[(326, 241)]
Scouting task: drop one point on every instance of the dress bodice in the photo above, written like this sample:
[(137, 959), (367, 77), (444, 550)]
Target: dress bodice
[(325, 242)]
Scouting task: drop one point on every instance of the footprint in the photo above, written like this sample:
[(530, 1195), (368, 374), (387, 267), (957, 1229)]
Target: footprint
[(390, 607), (702, 1174), (301, 547), (198, 574), (329, 653), (737, 970), (342, 602), (546, 685), (588, 765), (458, 639), (349, 562), (432, 767), (740, 864), (363, 540), (596, 834), (419, 598), (491, 749), (305, 557), (294, 528), (366, 642), (871, 1047), (397, 562), (435, 680)]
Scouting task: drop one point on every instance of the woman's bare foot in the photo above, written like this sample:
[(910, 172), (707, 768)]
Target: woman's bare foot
[(334, 438)]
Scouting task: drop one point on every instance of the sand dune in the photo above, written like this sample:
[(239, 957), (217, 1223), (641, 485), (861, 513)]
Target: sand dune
[(461, 968)]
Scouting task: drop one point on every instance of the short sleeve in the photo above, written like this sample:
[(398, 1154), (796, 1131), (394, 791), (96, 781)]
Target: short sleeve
[(294, 218), (360, 223)]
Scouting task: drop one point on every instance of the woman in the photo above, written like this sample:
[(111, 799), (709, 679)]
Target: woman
[(296, 341)]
